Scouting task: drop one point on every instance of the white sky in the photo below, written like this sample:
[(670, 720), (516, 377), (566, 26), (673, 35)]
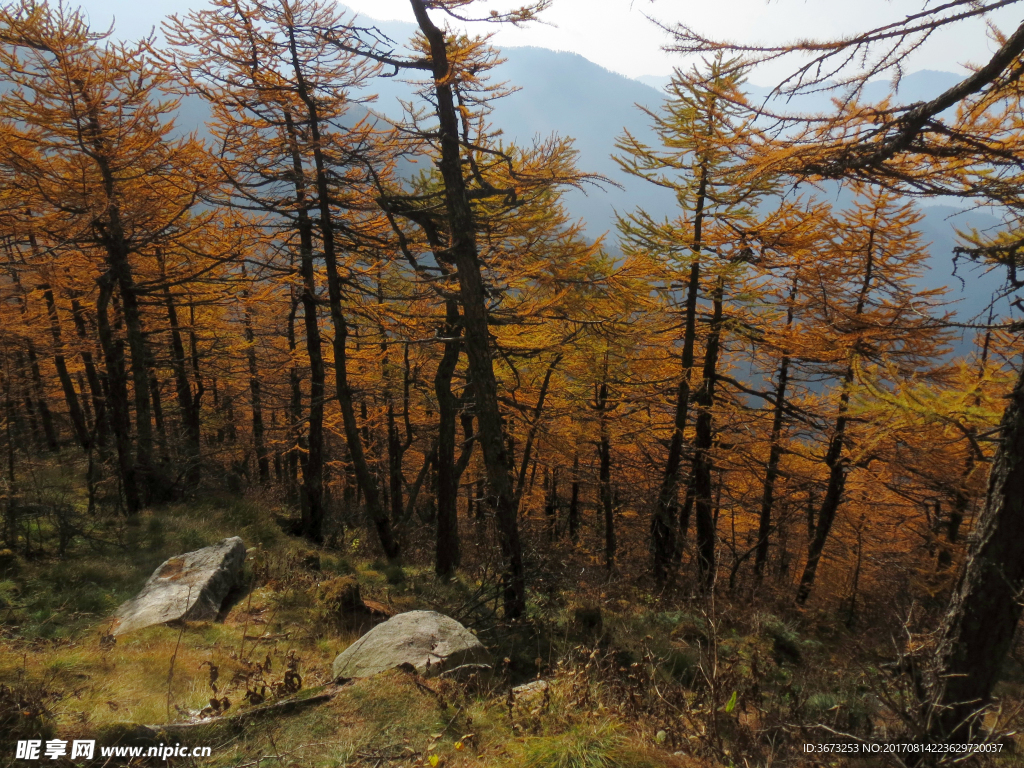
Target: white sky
[(617, 35)]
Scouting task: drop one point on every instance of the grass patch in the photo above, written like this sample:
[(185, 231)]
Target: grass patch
[(590, 745)]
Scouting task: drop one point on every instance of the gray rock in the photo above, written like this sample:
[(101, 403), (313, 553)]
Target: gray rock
[(189, 587), (429, 642)]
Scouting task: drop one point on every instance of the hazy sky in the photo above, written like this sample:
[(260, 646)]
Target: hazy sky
[(616, 34)]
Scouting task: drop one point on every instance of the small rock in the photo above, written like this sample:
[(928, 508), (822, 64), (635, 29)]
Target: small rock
[(428, 641), (529, 693), (189, 587)]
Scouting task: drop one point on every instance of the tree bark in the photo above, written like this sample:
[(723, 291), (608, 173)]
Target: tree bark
[(663, 523), (448, 556), (117, 399), (771, 474), (473, 297), (75, 412), (978, 629), (259, 441), (702, 461)]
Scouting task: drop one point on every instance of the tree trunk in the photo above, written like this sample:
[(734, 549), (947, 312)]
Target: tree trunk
[(833, 493), (259, 441), (961, 498), (448, 557), (574, 499), (78, 420), (10, 518), (604, 455), (117, 398), (158, 410), (531, 433), (183, 389), (45, 415), (702, 460), (551, 505), (685, 513), (473, 296), (480, 490), (834, 457), (771, 474), (979, 625), (99, 397), (663, 523), (116, 245), (312, 492), (295, 401), (120, 270), (35, 377), (381, 520)]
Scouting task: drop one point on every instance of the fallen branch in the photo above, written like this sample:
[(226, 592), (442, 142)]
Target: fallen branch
[(156, 733)]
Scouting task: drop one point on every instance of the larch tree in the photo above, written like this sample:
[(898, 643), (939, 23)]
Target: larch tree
[(90, 144), (868, 312), (456, 66), (701, 128), (916, 148), (293, 148)]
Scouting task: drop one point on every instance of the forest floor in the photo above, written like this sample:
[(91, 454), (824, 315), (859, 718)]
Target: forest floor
[(636, 679)]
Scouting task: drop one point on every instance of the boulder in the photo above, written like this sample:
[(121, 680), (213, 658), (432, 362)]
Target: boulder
[(426, 641), (189, 587)]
